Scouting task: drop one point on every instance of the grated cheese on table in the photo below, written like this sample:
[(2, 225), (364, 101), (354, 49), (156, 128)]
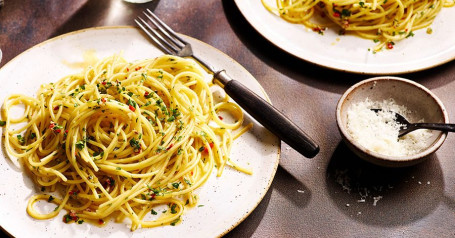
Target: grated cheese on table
[(378, 131)]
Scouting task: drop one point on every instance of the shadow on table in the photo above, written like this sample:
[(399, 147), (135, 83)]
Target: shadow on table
[(285, 184), (311, 74), (104, 13), (383, 196)]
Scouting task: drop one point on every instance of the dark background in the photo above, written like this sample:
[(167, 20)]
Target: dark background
[(319, 197)]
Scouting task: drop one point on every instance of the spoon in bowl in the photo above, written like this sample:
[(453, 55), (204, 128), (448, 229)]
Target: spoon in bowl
[(407, 127)]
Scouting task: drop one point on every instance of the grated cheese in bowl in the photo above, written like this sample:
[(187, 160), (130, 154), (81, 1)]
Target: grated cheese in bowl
[(378, 131)]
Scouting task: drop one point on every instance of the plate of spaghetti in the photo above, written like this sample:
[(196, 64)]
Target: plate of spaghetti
[(104, 136), (360, 36)]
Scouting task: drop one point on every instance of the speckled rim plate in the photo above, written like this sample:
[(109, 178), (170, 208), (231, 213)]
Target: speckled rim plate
[(226, 200), (350, 53)]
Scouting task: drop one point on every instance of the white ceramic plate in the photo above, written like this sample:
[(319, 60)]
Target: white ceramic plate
[(226, 200), (350, 53)]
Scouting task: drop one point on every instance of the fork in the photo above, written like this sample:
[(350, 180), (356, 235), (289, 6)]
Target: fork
[(272, 119)]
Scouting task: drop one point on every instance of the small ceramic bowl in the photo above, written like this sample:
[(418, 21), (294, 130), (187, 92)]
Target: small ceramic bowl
[(415, 97)]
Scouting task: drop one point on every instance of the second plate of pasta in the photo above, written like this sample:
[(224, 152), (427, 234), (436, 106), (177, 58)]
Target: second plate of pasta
[(386, 47)]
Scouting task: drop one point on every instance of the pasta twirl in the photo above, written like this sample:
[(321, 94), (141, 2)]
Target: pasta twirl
[(383, 21), (121, 139)]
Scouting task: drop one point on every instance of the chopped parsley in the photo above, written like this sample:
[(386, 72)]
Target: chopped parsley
[(176, 184), (131, 103), (135, 144), (411, 34), (187, 181), (345, 13), (173, 206), (80, 144), (175, 221), (20, 139)]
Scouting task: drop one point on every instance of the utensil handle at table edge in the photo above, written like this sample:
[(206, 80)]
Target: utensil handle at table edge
[(436, 126), (268, 115)]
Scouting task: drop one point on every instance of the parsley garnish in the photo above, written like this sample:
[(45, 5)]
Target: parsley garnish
[(176, 184), (21, 139), (131, 103), (345, 13), (175, 221), (411, 34), (187, 181), (135, 144), (173, 211), (80, 144)]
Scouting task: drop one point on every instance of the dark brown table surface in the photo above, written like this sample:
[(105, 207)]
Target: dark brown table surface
[(319, 197)]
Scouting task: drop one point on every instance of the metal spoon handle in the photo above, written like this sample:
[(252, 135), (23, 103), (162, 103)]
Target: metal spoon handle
[(269, 116), (435, 126)]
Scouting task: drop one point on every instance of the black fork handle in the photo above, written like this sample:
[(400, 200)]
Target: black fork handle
[(268, 115)]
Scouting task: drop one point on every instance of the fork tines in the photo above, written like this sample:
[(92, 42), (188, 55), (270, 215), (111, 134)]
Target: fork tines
[(162, 34)]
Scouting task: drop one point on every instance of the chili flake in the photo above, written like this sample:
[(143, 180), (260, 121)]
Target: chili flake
[(170, 146), (206, 150), (71, 216), (55, 127), (152, 196), (390, 45), (109, 182), (319, 30)]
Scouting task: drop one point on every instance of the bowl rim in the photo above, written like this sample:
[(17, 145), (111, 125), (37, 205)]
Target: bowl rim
[(387, 158)]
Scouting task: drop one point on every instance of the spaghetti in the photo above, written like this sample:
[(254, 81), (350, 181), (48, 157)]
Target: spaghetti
[(384, 21), (122, 139)]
